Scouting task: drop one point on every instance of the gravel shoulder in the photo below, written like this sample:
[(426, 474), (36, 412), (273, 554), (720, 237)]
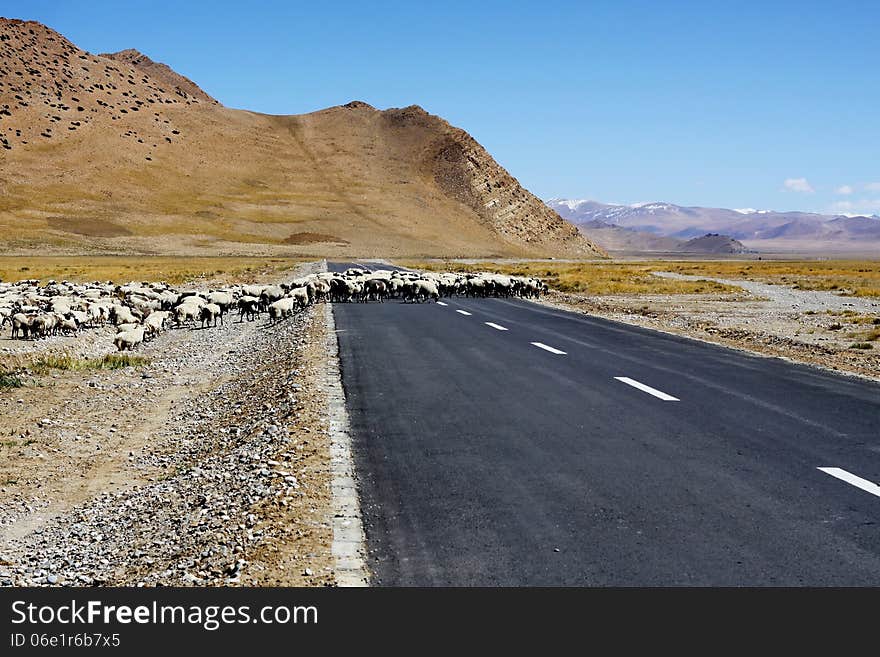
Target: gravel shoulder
[(208, 466), (812, 327)]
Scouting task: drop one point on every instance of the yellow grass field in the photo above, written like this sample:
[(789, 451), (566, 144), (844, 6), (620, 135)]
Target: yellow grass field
[(599, 278), (857, 278), (844, 277), (123, 269)]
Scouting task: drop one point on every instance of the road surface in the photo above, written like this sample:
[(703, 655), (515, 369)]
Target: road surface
[(500, 442)]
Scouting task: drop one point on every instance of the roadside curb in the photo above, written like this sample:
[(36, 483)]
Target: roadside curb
[(348, 534)]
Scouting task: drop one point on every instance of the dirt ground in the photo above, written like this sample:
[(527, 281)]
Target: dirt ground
[(815, 327), (208, 466)]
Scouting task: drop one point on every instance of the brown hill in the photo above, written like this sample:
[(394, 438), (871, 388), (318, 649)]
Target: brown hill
[(714, 243), (112, 154), (182, 86)]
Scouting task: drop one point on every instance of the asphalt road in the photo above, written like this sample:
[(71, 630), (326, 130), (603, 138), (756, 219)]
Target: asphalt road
[(634, 458)]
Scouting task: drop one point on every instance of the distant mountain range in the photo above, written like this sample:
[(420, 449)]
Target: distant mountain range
[(756, 229), (617, 238)]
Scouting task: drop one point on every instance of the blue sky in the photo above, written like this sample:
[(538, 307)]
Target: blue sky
[(770, 105)]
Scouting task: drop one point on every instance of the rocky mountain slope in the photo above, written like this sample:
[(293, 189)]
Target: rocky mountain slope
[(181, 85), (119, 153), (757, 229)]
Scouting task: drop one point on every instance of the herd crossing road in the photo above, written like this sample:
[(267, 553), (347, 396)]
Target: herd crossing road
[(501, 442)]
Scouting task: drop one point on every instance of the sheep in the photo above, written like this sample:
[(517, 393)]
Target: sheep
[(249, 306), (129, 339), (21, 325), (222, 299), (301, 297), (271, 294), (68, 325), (155, 323), (420, 290), (82, 317), (186, 312), (122, 315), (322, 290), (210, 312), (339, 290), (376, 289), (281, 309), (253, 290), (395, 287), (43, 325), (123, 328)]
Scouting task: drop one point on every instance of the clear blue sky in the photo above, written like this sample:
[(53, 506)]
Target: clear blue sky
[(697, 103)]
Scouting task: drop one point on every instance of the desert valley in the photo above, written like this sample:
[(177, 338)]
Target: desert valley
[(348, 348)]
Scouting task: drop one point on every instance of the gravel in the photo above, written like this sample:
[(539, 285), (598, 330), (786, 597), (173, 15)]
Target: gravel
[(193, 512)]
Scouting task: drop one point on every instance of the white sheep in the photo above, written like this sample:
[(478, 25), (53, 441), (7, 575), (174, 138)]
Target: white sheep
[(209, 313), (155, 323), (281, 308), (129, 339)]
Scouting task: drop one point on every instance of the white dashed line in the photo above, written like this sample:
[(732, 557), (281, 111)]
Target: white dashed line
[(463, 312), (496, 326), (858, 482), (641, 386), (440, 303), (541, 345)]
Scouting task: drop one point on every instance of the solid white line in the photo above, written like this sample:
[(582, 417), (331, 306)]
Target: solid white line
[(858, 482), (641, 386), (495, 326), (440, 303), (463, 312), (541, 345)]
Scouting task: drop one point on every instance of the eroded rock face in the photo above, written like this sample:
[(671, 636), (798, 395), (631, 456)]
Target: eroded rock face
[(462, 168)]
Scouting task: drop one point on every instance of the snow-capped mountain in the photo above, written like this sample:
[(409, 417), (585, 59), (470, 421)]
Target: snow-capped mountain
[(755, 228)]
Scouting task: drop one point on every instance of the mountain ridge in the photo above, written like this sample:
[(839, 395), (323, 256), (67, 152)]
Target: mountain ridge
[(755, 228), (118, 154)]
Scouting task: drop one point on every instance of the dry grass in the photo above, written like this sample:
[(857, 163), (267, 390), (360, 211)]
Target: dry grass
[(599, 278), (70, 364), (846, 277), (14, 366), (122, 269), (9, 379)]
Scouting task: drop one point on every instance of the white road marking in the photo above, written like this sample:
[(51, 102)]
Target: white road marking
[(541, 345), (495, 326), (858, 482), (463, 312), (440, 303), (641, 386)]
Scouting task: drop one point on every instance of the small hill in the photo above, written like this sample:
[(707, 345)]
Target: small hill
[(627, 240), (120, 154), (714, 243), (618, 238)]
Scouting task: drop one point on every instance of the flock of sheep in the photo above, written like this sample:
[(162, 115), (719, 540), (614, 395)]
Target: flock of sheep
[(141, 311)]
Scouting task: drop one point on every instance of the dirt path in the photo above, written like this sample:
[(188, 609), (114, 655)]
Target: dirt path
[(814, 327), (782, 298), (210, 465)]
